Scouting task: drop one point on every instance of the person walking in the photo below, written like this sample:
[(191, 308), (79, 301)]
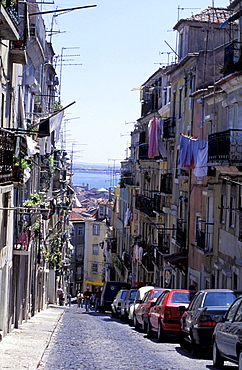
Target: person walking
[(79, 298), (97, 300), (87, 296), (60, 294)]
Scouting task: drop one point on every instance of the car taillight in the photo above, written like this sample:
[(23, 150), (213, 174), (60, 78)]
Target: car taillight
[(167, 313), (206, 320)]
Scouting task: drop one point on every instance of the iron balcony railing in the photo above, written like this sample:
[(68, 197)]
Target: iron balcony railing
[(145, 205), (181, 233), (143, 151), (225, 147), (169, 128), (232, 58), (166, 183), (6, 157), (11, 7)]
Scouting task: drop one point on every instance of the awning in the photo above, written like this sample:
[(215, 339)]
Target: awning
[(232, 18), (93, 282), (177, 259)]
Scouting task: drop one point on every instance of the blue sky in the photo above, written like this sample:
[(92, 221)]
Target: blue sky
[(120, 44)]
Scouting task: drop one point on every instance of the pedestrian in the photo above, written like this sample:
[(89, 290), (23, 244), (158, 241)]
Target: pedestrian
[(87, 296), (60, 295), (79, 298), (97, 300)]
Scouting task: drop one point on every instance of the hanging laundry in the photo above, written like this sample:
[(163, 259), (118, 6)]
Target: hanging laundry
[(127, 218), (193, 154), (201, 168), (135, 253), (156, 144)]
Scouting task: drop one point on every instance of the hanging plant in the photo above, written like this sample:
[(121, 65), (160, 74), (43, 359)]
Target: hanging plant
[(33, 200)]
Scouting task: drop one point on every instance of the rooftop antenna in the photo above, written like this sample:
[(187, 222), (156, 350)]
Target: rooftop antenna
[(168, 55)]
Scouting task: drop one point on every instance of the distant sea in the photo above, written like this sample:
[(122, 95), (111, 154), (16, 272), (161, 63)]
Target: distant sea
[(95, 179)]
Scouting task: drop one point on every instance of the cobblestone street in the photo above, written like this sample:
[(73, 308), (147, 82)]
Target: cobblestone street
[(96, 341)]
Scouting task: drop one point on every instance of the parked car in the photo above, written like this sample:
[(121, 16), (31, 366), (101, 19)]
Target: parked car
[(109, 292), (199, 320), (138, 299), (164, 316), (141, 312), (116, 304), (227, 336), (125, 304)]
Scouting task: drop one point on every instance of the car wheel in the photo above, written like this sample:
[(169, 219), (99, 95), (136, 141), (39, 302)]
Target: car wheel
[(148, 330), (218, 360), (160, 334), (113, 314), (240, 361)]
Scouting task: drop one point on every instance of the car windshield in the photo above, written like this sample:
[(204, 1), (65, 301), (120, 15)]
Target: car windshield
[(219, 299), (180, 297)]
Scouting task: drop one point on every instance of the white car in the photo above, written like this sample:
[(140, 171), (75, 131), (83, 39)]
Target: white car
[(139, 296)]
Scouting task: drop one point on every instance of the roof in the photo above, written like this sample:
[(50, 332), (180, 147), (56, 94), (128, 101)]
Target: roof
[(210, 15)]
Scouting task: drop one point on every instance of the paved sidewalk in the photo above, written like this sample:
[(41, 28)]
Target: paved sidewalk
[(24, 347)]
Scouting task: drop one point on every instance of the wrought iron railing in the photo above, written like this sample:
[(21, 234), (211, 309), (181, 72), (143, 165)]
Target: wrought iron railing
[(166, 183), (181, 233), (6, 157), (169, 128), (145, 205), (143, 151), (232, 58), (225, 146), (11, 7)]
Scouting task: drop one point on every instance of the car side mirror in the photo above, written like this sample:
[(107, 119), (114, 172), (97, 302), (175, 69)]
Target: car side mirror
[(152, 304), (138, 301)]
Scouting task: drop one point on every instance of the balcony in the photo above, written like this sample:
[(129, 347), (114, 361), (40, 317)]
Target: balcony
[(143, 151), (225, 147), (18, 52), (163, 243), (166, 183), (158, 203), (232, 58), (145, 205), (9, 20), (169, 128), (181, 234), (6, 158)]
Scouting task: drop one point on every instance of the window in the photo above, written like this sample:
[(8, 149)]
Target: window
[(222, 209), (180, 103), (96, 229), (232, 206), (94, 268), (231, 313), (80, 231), (101, 210), (95, 249)]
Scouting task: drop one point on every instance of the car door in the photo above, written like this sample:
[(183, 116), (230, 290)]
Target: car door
[(139, 310), (157, 310), (226, 334), (193, 312)]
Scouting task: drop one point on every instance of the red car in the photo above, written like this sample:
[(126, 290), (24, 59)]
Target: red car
[(164, 316), (141, 312)]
